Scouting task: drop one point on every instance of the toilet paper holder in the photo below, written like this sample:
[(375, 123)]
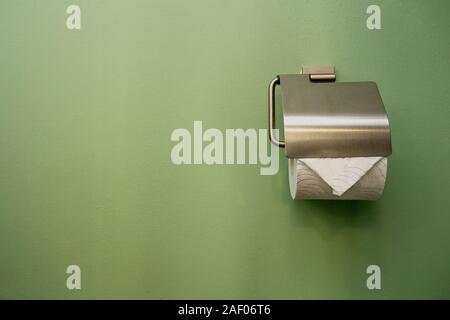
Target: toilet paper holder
[(328, 119)]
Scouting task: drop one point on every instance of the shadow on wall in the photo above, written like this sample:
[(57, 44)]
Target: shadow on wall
[(329, 217)]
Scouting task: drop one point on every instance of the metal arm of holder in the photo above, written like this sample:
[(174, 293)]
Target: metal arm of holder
[(272, 128)]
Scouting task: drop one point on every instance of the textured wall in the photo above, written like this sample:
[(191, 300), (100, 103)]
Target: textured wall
[(86, 176)]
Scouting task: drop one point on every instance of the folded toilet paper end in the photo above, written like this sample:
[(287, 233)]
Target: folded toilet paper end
[(354, 178)]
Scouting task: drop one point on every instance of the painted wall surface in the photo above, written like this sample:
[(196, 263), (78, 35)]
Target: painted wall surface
[(86, 176)]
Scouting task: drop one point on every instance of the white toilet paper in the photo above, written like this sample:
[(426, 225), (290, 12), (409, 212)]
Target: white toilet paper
[(337, 178)]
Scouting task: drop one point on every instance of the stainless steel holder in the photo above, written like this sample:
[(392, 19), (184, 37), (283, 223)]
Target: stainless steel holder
[(328, 119)]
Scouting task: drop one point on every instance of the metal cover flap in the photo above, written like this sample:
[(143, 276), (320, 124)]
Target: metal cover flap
[(333, 119)]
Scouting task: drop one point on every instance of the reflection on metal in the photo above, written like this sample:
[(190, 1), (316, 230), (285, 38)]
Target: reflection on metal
[(323, 118)]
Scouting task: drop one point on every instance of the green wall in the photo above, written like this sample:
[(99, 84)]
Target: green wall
[(86, 176)]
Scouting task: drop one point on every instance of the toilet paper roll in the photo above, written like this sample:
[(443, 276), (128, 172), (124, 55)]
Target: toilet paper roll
[(337, 178)]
